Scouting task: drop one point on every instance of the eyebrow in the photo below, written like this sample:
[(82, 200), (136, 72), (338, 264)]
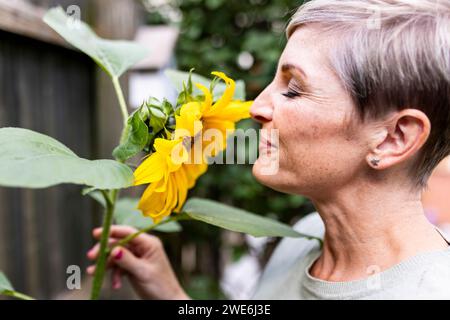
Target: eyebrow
[(288, 67), (297, 71)]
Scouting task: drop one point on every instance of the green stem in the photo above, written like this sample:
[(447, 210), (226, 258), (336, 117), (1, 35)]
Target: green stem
[(110, 199), (129, 238), (120, 97), (17, 295), (103, 253)]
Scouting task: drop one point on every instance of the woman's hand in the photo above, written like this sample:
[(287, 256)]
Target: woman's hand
[(145, 263)]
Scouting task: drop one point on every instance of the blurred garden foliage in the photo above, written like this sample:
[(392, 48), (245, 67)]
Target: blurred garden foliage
[(243, 38)]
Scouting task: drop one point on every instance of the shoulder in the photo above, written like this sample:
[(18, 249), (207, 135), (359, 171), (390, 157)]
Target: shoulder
[(425, 276), (434, 282)]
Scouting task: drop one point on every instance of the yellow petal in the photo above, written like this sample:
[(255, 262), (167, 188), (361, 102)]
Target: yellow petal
[(193, 172), (151, 202), (164, 146), (158, 204), (170, 201), (225, 128), (208, 98), (234, 111), (182, 186), (227, 95), (151, 170), (177, 156), (188, 122), (161, 185)]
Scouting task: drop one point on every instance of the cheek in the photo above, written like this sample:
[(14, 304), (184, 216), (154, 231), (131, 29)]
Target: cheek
[(314, 146)]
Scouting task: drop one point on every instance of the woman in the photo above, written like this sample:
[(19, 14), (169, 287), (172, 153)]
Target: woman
[(361, 103)]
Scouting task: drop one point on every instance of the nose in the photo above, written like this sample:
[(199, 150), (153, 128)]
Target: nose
[(262, 108)]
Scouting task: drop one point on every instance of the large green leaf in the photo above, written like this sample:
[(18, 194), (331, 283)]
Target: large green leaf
[(5, 285), (178, 77), (127, 214), (115, 57), (32, 160), (238, 220)]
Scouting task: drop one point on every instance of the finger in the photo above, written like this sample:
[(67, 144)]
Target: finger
[(126, 260), (116, 278), (93, 253), (143, 240), (90, 270)]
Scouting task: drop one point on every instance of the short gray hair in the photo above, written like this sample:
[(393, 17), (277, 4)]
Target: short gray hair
[(392, 55)]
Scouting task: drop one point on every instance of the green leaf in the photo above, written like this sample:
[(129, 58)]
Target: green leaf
[(32, 160), (160, 114), (88, 190), (134, 139), (115, 57), (180, 77), (7, 289), (157, 119), (167, 107), (96, 195), (127, 214), (5, 285), (238, 220)]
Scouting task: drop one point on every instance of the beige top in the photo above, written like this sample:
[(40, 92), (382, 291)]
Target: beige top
[(425, 276)]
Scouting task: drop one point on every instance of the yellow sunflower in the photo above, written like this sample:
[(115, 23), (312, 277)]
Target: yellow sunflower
[(169, 170)]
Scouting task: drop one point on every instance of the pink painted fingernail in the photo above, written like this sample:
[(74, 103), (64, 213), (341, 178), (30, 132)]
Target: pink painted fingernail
[(116, 285), (118, 255)]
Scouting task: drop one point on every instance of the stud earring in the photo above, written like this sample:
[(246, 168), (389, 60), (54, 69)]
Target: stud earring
[(374, 161)]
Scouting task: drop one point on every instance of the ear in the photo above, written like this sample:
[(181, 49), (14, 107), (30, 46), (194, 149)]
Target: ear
[(398, 138)]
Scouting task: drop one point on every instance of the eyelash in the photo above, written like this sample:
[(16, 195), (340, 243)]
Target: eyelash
[(293, 92)]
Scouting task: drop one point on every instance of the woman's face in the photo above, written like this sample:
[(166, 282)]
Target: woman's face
[(306, 103)]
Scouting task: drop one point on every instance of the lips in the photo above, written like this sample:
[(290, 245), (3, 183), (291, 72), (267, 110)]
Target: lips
[(267, 148), (264, 143)]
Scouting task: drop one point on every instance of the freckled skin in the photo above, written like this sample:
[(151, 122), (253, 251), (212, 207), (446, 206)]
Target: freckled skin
[(317, 152)]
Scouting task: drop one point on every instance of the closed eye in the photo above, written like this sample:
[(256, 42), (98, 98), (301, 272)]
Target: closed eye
[(294, 90), (291, 94)]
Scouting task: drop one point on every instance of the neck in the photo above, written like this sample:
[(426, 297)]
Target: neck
[(371, 229)]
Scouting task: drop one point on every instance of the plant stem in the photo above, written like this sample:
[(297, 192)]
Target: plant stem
[(120, 97), (110, 199), (17, 295), (129, 238), (103, 253)]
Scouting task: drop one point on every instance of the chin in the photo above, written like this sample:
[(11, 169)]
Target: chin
[(270, 178), (282, 181)]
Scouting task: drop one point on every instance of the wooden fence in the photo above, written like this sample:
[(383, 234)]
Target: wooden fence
[(50, 88)]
